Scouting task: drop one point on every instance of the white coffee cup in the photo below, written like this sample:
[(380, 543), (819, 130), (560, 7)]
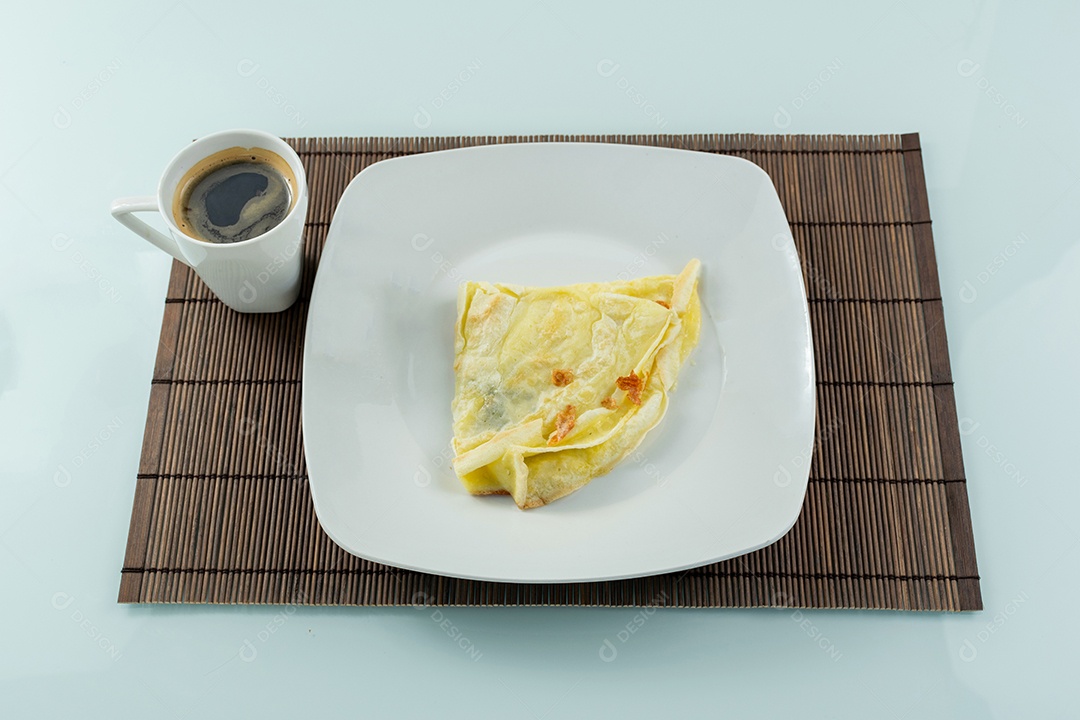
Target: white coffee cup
[(261, 274)]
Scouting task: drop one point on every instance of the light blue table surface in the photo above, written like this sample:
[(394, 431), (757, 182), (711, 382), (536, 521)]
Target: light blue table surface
[(94, 100)]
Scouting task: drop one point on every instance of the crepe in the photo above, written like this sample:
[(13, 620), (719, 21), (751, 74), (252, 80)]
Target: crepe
[(555, 385)]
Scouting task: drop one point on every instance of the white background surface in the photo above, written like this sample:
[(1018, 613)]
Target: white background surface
[(94, 100)]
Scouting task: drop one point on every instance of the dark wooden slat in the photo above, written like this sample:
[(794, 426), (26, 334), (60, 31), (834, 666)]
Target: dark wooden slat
[(959, 513)]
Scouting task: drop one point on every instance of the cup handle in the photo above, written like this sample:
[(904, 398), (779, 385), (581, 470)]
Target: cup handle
[(123, 210)]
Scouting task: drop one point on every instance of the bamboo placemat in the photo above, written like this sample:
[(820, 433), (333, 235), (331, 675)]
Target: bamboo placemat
[(222, 511)]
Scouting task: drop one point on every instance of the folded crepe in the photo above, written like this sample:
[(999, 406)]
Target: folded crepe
[(554, 386)]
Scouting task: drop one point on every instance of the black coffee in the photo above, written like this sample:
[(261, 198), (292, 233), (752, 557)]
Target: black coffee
[(234, 196)]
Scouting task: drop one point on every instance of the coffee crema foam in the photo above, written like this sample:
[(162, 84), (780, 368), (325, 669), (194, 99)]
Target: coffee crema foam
[(234, 195)]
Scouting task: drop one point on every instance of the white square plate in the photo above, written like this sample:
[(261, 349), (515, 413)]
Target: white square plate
[(724, 473)]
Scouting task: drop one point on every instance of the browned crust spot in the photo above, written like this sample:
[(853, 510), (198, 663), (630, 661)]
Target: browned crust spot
[(564, 423), (632, 385), (485, 493), (664, 303), (609, 403), (562, 378)]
